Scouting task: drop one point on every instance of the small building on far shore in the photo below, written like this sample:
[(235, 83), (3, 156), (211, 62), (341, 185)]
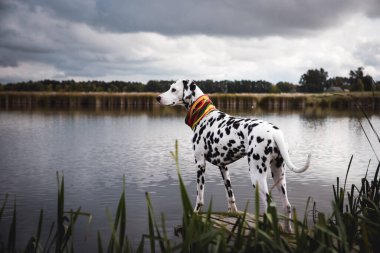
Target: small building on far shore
[(334, 89)]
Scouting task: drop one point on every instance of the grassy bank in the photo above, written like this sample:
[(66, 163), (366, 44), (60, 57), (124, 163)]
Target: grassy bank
[(353, 226), (146, 101)]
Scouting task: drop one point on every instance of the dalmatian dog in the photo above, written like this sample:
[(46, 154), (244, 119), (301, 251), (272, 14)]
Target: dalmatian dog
[(222, 139)]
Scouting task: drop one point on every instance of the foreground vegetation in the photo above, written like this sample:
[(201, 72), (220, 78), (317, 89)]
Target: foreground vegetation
[(353, 226)]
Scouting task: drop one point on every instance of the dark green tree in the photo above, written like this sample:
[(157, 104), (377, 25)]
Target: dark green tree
[(286, 87), (314, 80), (360, 82)]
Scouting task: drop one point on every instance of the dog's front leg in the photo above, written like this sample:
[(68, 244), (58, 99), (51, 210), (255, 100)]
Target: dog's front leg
[(201, 169)]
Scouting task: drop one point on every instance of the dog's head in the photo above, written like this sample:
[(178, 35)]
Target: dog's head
[(179, 93)]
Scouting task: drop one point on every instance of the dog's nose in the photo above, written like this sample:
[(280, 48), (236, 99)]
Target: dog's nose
[(158, 98)]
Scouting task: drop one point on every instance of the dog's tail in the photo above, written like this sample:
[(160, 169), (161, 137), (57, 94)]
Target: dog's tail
[(280, 141)]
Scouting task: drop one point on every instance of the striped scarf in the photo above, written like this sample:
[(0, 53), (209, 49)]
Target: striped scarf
[(198, 110)]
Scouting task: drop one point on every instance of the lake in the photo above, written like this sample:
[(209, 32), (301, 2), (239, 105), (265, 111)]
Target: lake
[(95, 149)]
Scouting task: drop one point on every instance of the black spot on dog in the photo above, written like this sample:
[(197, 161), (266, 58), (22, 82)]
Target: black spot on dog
[(256, 156), (259, 139), (192, 86), (241, 135), (283, 189), (195, 137), (254, 186), (230, 193), (228, 130), (275, 127), (212, 122), (268, 150), (202, 129), (261, 171), (279, 161), (221, 116), (236, 125), (185, 82)]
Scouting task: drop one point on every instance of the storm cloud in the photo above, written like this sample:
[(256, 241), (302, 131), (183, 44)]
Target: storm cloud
[(215, 39)]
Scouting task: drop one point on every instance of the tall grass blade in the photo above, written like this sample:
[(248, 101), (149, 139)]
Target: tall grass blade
[(3, 206), (48, 243), (186, 203), (39, 229), (150, 225), (99, 242), (12, 231), (370, 123), (348, 169), (369, 141), (60, 213), (366, 172), (377, 173)]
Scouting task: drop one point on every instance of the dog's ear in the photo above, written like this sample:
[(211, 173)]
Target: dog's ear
[(185, 82), (192, 86)]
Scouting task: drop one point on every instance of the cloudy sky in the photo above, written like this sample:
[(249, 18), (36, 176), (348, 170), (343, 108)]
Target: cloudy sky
[(141, 40)]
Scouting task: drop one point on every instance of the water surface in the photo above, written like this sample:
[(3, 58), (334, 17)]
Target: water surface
[(95, 150)]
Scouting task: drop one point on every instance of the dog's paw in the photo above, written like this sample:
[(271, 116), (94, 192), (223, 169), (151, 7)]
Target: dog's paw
[(198, 208), (286, 228), (232, 208)]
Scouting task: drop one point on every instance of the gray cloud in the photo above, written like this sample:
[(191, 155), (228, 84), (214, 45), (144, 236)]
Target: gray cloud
[(141, 39), (212, 17)]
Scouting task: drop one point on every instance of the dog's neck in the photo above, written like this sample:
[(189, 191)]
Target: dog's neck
[(198, 110), (194, 96)]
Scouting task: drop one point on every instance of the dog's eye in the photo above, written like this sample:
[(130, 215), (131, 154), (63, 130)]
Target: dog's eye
[(173, 90)]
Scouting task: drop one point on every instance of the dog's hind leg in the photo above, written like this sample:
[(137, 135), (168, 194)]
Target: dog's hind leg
[(278, 174), (259, 179), (229, 193)]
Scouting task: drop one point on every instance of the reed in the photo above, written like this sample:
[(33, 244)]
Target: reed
[(147, 101)]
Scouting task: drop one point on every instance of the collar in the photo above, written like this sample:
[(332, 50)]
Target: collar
[(198, 110)]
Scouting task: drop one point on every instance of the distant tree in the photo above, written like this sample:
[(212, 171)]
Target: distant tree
[(157, 86), (359, 85), (377, 86), (286, 87), (338, 81), (314, 80), (360, 82)]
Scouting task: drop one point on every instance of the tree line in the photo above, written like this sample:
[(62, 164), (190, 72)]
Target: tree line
[(313, 81)]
